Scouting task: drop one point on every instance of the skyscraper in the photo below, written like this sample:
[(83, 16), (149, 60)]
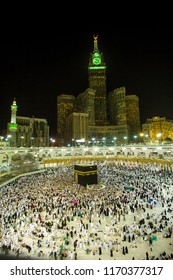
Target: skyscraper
[(65, 106), (97, 81), (133, 116), (117, 106), (85, 104), (123, 110)]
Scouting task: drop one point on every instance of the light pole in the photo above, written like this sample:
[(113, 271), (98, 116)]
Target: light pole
[(141, 135), (82, 141), (115, 138), (135, 137), (73, 142), (32, 141), (104, 141), (146, 138), (159, 135), (9, 139), (125, 139), (21, 139), (52, 141), (93, 139)]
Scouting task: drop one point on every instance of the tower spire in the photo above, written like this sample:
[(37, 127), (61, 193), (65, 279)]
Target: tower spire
[(97, 82), (12, 126), (95, 42), (13, 111)]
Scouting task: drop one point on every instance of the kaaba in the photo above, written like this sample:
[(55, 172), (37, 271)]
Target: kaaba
[(85, 174)]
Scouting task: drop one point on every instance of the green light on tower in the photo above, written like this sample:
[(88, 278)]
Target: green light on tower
[(12, 126), (96, 67), (14, 107), (96, 58)]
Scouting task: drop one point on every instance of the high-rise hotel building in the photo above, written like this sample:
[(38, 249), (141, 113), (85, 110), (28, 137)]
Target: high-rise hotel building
[(109, 116), (65, 107), (97, 81)]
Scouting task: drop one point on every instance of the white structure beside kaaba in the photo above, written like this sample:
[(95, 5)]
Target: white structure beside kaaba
[(85, 174)]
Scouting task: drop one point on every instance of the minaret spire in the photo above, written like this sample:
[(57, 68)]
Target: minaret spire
[(12, 126), (13, 111), (95, 42)]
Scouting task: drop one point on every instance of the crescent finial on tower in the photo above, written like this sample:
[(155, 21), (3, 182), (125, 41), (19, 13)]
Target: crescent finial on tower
[(95, 42)]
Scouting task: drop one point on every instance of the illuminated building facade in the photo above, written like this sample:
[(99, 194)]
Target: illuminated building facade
[(12, 126), (32, 132), (97, 81), (76, 131), (119, 120), (157, 129), (117, 106), (133, 117), (27, 132), (65, 107), (108, 135), (85, 104), (124, 111)]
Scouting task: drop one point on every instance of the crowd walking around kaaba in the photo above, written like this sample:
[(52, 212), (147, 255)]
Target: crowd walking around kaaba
[(127, 215)]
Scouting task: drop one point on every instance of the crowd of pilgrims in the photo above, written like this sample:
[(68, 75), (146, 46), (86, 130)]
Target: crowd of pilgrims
[(47, 215)]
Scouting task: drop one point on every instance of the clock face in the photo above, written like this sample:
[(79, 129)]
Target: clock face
[(96, 58)]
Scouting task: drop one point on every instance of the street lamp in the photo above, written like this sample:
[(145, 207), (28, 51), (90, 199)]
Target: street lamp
[(21, 139), (125, 138), (115, 138), (146, 138), (32, 141), (82, 141), (93, 139), (9, 139), (52, 141), (104, 141), (73, 142), (135, 137), (141, 135), (159, 137)]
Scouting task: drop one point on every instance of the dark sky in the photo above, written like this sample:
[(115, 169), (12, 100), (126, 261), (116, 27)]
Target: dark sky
[(36, 70)]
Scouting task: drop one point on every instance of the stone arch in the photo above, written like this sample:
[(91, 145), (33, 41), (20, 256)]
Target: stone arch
[(88, 153)]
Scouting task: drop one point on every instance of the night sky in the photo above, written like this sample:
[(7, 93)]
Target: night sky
[(36, 70)]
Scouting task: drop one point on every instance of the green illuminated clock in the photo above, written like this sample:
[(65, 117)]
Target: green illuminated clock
[(96, 58)]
